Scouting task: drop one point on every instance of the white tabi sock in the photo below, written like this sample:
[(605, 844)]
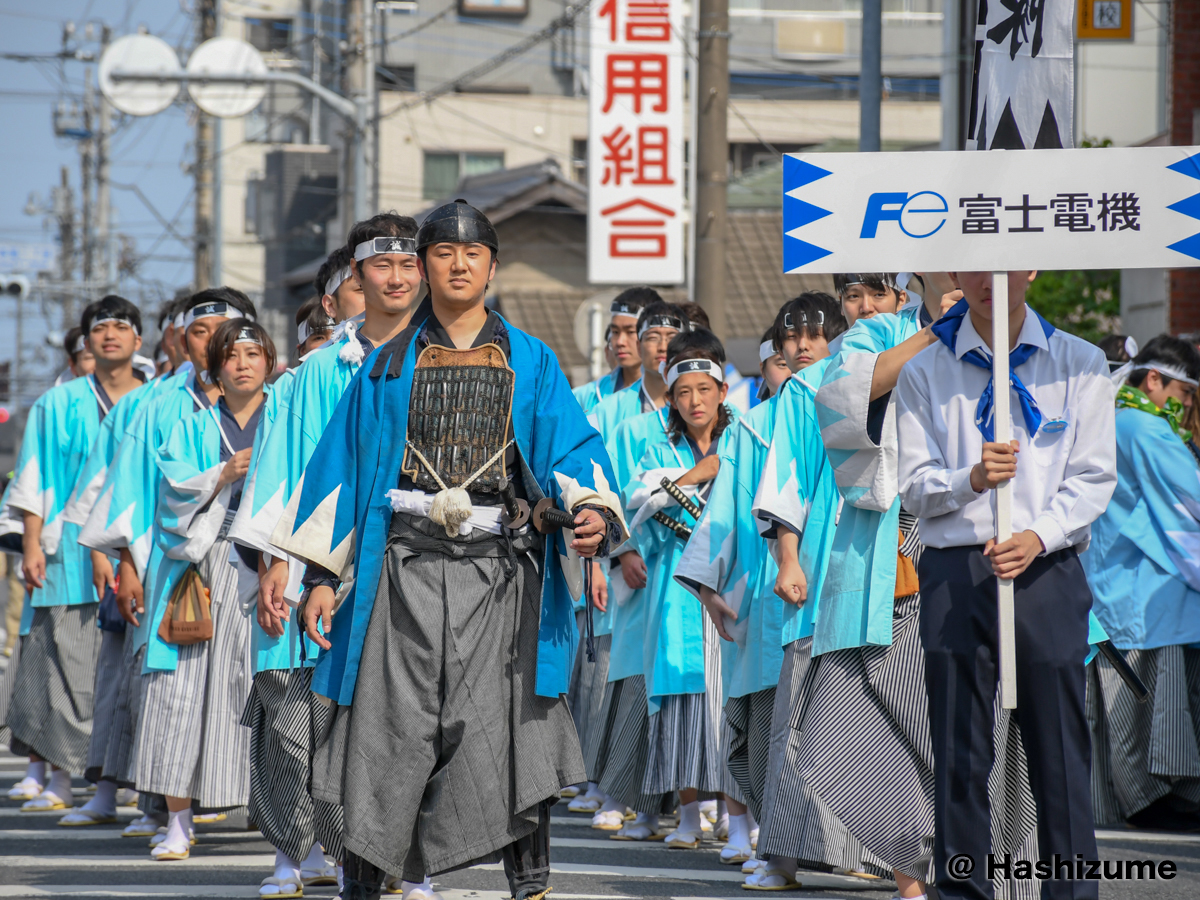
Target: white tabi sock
[(425, 885), (36, 771), (60, 786), (286, 867), (611, 805), (739, 831), (315, 859), (105, 800), (689, 817), (179, 830)]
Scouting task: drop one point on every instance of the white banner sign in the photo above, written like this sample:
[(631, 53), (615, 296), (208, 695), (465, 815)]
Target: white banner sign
[(1127, 208), (635, 143), (27, 258)]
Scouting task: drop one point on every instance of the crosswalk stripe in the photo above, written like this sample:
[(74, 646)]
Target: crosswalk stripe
[(1148, 837), (14, 812), (808, 879), (240, 891), (96, 833)]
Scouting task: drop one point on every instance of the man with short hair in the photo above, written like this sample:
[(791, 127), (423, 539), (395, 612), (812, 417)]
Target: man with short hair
[(282, 711), (50, 713), (1144, 569), (452, 646), (623, 344)]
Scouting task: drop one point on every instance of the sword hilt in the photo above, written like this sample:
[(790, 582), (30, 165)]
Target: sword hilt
[(547, 517), (516, 511), (675, 493), (681, 531)]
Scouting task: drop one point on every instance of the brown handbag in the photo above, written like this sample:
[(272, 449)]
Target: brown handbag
[(188, 616)]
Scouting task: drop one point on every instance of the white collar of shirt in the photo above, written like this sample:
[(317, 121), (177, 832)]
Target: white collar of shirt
[(969, 339)]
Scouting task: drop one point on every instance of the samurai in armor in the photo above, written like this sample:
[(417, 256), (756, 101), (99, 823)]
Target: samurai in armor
[(445, 622)]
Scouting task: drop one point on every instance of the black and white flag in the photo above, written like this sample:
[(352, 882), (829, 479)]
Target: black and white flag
[(1023, 88)]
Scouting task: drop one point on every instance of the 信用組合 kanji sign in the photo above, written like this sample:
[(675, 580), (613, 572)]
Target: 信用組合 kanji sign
[(636, 143), (1109, 208)]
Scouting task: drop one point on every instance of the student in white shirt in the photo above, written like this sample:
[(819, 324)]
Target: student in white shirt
[(1063, 467)]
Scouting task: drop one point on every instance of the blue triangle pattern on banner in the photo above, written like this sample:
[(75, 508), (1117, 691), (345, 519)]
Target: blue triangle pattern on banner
[(1188, 247), (797, 253), (1189, 166), (798, 173), (1189, 206), (797, 213)]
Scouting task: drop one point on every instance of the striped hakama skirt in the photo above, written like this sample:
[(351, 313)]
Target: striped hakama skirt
[(7, 680), (283, 716), (746, 746), (795, 822), (50, 713), (120, 753), (623, 747), (866, 750), (190, 740), (1142, 752), (109, 671), (589, 681), (685, 733), (448, 753)]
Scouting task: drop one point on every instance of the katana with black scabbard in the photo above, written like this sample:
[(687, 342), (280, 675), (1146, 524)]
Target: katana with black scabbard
[(675, 493)]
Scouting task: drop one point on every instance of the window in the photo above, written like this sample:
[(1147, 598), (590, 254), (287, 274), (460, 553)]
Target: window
[(443, 171), (494, 8), (270, 35), (396, 78)]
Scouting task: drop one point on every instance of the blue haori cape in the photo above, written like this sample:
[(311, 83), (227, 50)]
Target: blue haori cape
[(607, 415), (797, 492), (339, 516), (728, 554), (62, 427), (125, 514), (673, 634), (1144, 560), (860, 586), (104, 450), (591, 394)]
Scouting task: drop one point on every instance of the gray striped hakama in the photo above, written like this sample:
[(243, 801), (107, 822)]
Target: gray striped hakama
[(1142, 752), (729, 785), (282, 715), (795, 822), (685, 734), (586, 699), (109, 669), (51, 709), (866, 750), (624, 747), (7, 680), (190, 740), (746, 747), (120, 756), (447, 753)]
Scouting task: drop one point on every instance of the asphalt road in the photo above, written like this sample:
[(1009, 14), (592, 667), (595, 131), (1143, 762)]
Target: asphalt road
[(40, 859)]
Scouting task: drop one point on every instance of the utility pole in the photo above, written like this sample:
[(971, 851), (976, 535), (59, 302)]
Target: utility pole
[(206, 27), (104, 235), (360, 86), (870, 77), (64, 211), (711, 98), (87, 153)]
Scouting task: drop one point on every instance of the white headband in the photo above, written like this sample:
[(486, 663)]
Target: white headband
[(1167, 370), (684, 366), (663, 322), (111, 318), (248, 335), (396, 246), (788, 322), (1131, 347), (765, 351), (80, 345), (336, 280), (178, 320), (218, 308), (303, 332), (624, 308)]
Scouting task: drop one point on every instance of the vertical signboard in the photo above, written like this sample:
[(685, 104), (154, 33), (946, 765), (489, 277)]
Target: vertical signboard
[(636, 143)]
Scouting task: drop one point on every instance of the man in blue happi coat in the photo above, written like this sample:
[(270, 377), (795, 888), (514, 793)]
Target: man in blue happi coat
[(452, 625)]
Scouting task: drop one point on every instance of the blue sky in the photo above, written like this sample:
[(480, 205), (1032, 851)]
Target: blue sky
[(151, 152)]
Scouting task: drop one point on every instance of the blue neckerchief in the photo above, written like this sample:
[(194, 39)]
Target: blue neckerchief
[(946, 329)]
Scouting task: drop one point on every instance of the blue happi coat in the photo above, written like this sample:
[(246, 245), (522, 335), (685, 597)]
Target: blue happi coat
[(63, 425), (728, 554), (1144, 560), (339, 516), (125, 514), (591, 394)]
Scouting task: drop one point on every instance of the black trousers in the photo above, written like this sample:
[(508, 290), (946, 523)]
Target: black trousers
[(959, 632)]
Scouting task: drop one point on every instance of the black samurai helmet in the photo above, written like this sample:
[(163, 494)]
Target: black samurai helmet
[(457, 223)]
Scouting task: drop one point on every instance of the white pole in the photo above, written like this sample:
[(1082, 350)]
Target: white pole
[(1002, 392)]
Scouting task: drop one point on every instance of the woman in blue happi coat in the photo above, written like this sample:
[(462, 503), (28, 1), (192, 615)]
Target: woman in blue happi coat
[(191, 744), (1143, 566)]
